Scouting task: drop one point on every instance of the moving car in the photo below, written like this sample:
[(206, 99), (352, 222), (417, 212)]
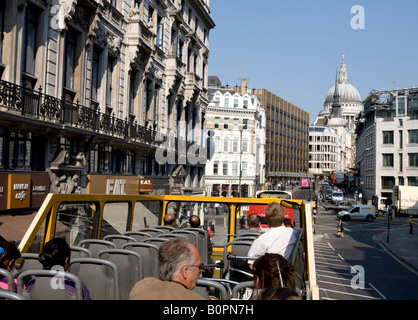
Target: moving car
[(336, 196), (358, 212)]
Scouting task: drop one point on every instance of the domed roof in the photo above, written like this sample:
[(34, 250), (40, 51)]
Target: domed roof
[(348, 94)]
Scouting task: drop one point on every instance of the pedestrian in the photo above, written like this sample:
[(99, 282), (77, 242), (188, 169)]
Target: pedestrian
[(340, 229), (411, 225)]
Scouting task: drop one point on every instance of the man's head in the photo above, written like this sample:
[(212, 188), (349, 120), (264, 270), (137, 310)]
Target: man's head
[(179, 260), (254, 221), (169, 219), (275, 215), (194, 221)]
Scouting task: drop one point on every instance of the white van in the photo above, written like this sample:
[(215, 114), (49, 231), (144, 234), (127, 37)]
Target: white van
[(337, 195), (358, 212)]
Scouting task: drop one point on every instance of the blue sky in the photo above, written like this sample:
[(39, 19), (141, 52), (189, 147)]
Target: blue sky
[(293, 47)]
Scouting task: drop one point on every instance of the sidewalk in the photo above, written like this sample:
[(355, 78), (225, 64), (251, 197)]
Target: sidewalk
[(402, 244)]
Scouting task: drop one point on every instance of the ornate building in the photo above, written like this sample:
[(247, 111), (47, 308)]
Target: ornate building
[(237, 124), (94, 88), (342, 106)]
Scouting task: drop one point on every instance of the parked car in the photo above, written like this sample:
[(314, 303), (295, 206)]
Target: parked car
[(358, 212)]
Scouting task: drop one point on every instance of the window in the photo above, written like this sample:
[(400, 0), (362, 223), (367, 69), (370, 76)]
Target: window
[(388, 182), (245, 124), (29, 40), (413, 136), (217, 147), (244, 169), (217, 122), (109, 82), (235, 145), (226, 144), (94, 158), (413, 159), (106, 159), (95, 82), (160, 32), (235, 168), (70, 59), (236, 103), (226, 102), (387, 137), (401, 106), (245, 145), (225, 169), (20, 149), (2, 12), (245, 104), (388, 160), (215, 168), (226, 123), (413, 107), (413, 181), (235, 123), (2, 147)]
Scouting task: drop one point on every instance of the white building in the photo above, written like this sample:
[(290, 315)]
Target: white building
[(238, 124), (387, 142), (324, 150)]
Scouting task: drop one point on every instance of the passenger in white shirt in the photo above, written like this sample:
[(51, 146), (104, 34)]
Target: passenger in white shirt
[(279, 239)]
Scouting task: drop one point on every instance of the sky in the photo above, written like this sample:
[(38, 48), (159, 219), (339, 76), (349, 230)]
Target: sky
[(294, 47)]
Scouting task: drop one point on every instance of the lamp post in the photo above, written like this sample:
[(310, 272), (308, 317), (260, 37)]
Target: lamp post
[(240, 155)]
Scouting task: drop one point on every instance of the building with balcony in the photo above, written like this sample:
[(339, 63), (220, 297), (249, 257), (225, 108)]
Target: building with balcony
[(324, 150), (387, 142), (236, 123), (95, 88)]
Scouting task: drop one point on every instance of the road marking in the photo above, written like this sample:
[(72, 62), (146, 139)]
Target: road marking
[(341, 257), (384, 298), (354, 294), (343, 285), (329, 244)]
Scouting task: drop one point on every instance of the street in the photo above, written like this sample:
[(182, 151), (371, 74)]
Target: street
[(357, 266)]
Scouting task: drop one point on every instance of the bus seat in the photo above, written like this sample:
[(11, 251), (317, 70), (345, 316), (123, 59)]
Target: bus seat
[(296, 257), (129, 265), (189, 235), (6, 295), (28, 261), (155, 241), (100, 277), (202, 242), (242, 285), (95, 245), (166, 229), (237, 248), (119, 240), (204, 286), (42, 288), (10, 282), (79, 252), (149, 257), (152, 231), (137, 235)]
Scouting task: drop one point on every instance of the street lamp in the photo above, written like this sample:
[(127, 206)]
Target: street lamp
[(240, 156)]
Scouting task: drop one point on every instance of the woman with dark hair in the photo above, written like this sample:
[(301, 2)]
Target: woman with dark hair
[(57, 252), (9, 253), (273, 271)]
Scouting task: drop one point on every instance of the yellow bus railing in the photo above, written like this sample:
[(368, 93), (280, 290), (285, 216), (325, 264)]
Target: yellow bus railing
[(127, 211)]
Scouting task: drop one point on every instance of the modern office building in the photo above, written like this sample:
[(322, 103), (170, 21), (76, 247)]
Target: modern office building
[(90, 90), (387, 142), (236, 123)]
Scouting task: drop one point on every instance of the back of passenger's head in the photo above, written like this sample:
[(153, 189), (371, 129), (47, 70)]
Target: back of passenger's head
[(194, 221), (273, 270), (173, 256), (169, 219), (8, 251), (278, 293), (254, 220), (55, 252), (275, 214)]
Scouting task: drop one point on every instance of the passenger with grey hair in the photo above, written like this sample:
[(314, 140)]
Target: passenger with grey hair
[(179, 268)]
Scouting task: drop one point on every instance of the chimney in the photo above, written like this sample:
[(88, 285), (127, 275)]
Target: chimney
[(243, 86)]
